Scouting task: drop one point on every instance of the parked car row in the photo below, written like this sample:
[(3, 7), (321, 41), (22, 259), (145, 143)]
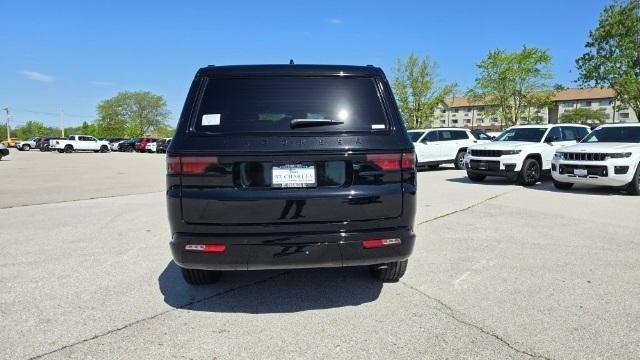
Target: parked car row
[(89, 143), (571, 153)]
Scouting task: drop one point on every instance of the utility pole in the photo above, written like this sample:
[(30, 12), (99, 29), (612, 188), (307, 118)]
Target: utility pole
[(8, 128), (62, 121)]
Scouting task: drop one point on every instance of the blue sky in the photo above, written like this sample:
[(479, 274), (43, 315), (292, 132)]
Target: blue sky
[(70, 54)]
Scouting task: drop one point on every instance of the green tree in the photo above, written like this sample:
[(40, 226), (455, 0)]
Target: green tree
[(613, 53), (30, 129), (510, 83), (418, 90), (88, 129), (131, 114), (583, 116)]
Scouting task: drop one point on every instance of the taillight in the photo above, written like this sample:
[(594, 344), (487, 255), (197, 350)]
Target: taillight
[(389, 162), (190, 165), (376, 243)]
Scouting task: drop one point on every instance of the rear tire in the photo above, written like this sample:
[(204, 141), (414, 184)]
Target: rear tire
[(476, 177), (68, 149), (104, 149), (562, 185), (200, 277), (26, 147), (459, 161), (391, 272), (530, 173), (633, 187)]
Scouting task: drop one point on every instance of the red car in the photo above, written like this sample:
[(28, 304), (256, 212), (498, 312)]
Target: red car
[(143, 141)]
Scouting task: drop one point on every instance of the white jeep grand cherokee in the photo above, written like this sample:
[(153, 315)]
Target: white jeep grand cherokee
[(609, 156), (438, 146), (521, 152)]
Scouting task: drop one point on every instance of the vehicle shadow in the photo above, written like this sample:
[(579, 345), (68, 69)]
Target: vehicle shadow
[(582, 189), (494, 181), (267, 292), (546, 184)]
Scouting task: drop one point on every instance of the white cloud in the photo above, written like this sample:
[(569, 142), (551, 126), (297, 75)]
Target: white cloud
[(37, 76), (336, 21), (101, 83)]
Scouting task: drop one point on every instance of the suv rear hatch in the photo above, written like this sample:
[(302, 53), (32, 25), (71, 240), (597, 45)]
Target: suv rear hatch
[(266, 150)]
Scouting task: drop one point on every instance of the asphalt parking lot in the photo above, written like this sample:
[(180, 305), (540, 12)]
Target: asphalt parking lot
[(498, 272)]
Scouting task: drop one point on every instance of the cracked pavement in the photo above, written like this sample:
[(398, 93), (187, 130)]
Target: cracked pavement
[(498, 271)]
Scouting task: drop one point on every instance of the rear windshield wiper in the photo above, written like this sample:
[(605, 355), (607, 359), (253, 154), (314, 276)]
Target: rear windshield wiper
[(313, 122)]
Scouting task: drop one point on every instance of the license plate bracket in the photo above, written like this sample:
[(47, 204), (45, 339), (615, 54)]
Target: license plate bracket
[(290, 176)]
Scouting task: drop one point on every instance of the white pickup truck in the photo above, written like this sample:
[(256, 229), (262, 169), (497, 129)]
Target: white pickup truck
[(79, 143)]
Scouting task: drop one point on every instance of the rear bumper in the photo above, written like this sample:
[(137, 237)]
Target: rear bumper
[(290, 251)]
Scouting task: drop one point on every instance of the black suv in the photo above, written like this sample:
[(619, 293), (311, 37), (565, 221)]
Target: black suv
[(290, 166)]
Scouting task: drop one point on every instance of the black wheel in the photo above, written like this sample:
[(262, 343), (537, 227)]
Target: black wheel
[(68, 149), (129, 149), (476, 177), (562, 185), (633, 187), (104, 149), (392, 271), (433, 167), (530, 173), (26, 147), (200, 277), (459, 162)]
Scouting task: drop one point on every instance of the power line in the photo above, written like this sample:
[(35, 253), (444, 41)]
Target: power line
[(51, 113)]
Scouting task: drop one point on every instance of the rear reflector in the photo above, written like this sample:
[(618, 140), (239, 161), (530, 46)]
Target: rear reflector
[(389, 162), (190, 165), (376, 243), (208, 248)]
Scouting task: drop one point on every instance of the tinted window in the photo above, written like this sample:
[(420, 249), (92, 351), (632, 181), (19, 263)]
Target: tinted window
[(460, 135), (269, 104), (627, 134), (445, 135), (522, 134), (431, 136), (570, 133), (415, 135), (554, 134), (481, 136)]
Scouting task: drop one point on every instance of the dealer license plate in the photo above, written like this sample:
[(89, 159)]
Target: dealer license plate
[(293, 176)]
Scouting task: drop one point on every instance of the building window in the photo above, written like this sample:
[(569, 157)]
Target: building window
[(567, 105), (624, 115), (456, 110), (480, 121), (454, 114), (605, 102), (587, 103), (443, 122), (468, 121), (455, 121)]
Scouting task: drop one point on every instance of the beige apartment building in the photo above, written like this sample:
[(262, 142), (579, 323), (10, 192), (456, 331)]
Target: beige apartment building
[(458, 112)]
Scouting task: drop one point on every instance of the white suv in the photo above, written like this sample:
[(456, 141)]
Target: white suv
[(521, 152), (435, 147), (609, 156)]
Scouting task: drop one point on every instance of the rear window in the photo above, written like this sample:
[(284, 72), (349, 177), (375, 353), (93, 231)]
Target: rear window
[(270, 104)]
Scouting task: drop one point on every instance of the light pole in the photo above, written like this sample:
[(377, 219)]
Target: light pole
[(8, 129)]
